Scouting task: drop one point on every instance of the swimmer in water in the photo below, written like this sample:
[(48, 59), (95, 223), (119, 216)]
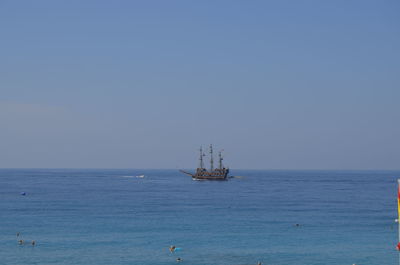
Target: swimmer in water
[(172, 248), (178, 259), (21, 242), (33, 243), (17, 234), (259, 263)]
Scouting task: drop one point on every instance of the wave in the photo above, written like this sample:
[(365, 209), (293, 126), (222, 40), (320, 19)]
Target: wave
[(139, 176)]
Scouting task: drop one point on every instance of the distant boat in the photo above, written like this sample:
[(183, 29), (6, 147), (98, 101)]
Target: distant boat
[(202, 173)]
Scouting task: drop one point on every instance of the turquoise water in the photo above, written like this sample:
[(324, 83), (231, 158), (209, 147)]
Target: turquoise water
[(104, 217)]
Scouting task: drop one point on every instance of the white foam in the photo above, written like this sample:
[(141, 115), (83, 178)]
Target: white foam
[(139, 176)]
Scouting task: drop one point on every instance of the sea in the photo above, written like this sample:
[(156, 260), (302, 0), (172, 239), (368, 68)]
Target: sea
[(132, 216)]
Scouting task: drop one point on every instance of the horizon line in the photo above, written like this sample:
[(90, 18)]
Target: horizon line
[(255, 169)]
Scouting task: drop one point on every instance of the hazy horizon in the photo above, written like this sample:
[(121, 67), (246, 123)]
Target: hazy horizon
[(232, 170), (288, 85)]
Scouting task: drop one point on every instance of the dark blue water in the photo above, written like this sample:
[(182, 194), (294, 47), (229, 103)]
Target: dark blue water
[(102, 217)]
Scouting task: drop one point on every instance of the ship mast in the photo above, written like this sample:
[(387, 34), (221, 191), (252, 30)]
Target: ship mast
[(201, 157), (211, 158), (220, 160)]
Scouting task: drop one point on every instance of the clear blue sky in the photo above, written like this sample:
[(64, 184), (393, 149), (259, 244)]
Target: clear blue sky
[(142, 84)]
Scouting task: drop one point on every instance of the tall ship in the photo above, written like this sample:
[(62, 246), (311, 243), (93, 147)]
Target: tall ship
[(212, 173)]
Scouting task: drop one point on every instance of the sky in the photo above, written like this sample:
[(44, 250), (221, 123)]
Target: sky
[(276, 84)]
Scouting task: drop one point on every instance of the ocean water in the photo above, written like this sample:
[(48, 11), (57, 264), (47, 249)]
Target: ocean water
[(111, 217)]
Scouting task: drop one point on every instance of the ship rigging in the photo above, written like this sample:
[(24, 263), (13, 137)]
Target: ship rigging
[(201, 173)]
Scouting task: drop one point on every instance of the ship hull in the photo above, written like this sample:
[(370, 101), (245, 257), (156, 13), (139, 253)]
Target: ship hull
[(216, 174)]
